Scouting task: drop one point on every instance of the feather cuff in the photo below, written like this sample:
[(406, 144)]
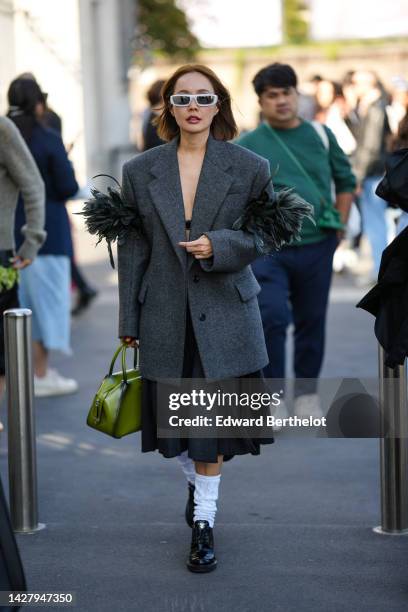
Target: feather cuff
[(108, 216), (277, 222)]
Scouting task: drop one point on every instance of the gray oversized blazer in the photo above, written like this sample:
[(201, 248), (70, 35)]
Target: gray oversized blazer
[(157, 276)]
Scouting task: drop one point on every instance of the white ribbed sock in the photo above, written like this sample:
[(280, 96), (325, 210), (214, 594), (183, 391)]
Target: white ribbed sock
[(187, 465), (205, 497)]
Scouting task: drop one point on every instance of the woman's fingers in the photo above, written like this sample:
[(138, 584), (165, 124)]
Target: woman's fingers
[(194, 248), (200, 252), (200, 248), (19, 263), (129, 341), (203, 255)]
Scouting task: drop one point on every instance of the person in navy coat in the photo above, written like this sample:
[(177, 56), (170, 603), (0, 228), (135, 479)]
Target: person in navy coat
[(45, 288)]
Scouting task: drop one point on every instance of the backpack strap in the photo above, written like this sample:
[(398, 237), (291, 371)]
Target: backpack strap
[(321, 132)]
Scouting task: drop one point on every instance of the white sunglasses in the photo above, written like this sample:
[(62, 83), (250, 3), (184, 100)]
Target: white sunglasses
[(199, 99)]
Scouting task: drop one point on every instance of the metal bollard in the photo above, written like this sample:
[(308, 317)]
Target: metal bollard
[(21, 424), (393, 448)]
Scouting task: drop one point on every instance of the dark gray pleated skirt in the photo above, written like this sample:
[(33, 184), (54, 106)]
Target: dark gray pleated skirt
[(199, 449)]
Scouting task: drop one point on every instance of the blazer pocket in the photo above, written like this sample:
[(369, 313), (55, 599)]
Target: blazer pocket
[(248, 287), (142, 292)]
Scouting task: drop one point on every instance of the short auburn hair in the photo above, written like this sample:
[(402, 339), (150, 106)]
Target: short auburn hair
[(223, 126)]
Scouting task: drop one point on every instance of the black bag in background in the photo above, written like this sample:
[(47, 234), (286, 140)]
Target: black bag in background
[(394, 186), (12, 576)]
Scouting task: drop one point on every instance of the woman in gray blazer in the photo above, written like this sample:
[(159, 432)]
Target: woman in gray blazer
[(188, 297)]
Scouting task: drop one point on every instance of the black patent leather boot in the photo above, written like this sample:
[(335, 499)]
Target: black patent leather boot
[(202, 557), (189, 513)]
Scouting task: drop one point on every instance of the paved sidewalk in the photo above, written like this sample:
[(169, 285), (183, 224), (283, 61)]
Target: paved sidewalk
[(294, 526)]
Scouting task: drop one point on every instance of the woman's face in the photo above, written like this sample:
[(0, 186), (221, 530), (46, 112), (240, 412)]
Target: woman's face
[(39, 110), (193, 119), (325, 94)]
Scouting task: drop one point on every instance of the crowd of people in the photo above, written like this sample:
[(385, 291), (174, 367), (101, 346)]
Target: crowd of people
[(329, 141), (329, 145), (356, 119), (369, 121)]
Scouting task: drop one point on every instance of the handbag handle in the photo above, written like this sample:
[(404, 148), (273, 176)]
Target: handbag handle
[(123, 347), (324, 205)]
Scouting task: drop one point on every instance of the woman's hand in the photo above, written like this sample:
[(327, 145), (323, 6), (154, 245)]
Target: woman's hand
[(18, 263), (200, 248), (130, 341)]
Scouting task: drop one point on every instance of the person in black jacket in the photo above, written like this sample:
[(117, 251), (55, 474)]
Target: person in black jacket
[(50, 119), (12, 576), (388, 301)]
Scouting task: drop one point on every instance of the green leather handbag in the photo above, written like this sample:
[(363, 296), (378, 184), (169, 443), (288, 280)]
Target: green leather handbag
[(117, 407)]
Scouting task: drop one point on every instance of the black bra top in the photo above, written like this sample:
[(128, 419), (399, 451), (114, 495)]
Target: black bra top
[(188, 223)]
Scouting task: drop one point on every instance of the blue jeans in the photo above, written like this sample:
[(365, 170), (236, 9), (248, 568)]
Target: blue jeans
[(402, 222), (374, 223), (295, 284)]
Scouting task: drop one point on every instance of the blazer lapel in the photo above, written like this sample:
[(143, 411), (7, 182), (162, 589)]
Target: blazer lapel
[(167, 197), (212, 188)]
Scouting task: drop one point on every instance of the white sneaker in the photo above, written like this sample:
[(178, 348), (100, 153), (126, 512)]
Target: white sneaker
[(53, 384), (308, 405)]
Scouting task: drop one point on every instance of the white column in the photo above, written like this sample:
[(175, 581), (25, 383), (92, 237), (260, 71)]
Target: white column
[(8, 59), (105, 83)]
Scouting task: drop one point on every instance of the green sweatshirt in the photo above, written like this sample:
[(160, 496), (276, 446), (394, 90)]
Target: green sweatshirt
[(324, 166)]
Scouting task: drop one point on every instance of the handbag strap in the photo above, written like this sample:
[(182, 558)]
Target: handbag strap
[(296, 162), (321, 132), (122, 348), (115, 356)]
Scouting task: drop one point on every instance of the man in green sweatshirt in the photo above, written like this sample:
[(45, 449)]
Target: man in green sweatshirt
[(295, 281)]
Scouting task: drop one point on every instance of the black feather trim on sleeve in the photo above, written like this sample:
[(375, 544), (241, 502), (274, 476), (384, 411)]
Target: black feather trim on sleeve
[(108, 216), (277, 222)]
